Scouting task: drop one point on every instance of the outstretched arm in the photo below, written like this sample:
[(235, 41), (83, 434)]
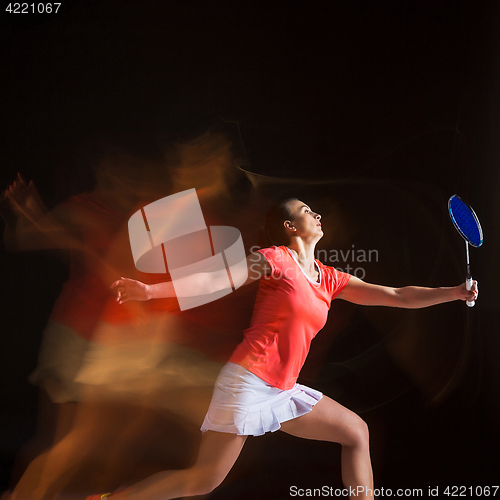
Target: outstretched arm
[(28, 223), (409, 297), (197, 284)]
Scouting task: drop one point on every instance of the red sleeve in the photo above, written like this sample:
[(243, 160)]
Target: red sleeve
[(274, 257), (337, 280)]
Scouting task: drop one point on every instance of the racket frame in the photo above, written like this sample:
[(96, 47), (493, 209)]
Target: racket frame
[(468, 281)]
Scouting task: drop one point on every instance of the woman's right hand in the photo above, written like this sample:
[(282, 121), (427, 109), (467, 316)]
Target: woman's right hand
[(128, 289), (25, 200)]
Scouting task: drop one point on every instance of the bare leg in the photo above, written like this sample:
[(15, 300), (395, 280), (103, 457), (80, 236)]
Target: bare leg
[(121, 457), (93, 427), (218, 452), (330, 421), (190, 403), (29, 480)]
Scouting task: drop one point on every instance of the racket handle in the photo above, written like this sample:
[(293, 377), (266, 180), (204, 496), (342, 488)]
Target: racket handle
[(468, 285)]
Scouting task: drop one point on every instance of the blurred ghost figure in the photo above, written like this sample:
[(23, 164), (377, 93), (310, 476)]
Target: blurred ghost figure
[(85, 225), (118, 368)]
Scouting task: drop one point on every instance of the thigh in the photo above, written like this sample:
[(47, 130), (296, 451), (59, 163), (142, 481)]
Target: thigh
[(219, 451), (327, 421)]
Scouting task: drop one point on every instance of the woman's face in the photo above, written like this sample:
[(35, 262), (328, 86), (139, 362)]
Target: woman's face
[(304, 221)]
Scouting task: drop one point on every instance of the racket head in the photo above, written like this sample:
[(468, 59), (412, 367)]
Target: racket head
[(465, 221)]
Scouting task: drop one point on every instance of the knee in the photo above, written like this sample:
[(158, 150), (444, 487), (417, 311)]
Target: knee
[(358, 435), (204, 483)]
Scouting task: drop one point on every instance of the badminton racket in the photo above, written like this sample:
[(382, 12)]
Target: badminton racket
[(467, 224)]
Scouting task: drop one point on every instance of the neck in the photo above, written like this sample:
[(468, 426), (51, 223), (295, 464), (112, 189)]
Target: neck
[(304, 251)]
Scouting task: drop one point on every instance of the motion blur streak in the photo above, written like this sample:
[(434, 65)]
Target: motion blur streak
[(132, 382)]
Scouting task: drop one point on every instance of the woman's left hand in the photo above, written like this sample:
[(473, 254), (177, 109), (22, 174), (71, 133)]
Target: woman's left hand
[(468, 295)]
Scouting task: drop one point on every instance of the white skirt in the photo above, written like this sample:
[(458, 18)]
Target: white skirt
[(244, 404), (61, 355)]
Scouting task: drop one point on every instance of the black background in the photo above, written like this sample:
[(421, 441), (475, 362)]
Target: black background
[(388, 93)]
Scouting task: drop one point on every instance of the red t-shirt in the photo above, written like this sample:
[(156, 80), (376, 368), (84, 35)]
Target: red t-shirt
[(94, 224), (289, 311), (103, 256)]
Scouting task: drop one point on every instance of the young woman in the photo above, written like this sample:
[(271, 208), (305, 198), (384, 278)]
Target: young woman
[(256, 391)]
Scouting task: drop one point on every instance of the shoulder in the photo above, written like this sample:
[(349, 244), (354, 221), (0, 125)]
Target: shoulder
[(82, 202), (72, 209), (272, 252), (274, 256), (335, 280)]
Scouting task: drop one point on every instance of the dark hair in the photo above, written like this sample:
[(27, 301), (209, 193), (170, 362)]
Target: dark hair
[(273, 231)]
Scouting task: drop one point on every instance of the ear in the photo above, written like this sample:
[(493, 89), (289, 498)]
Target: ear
[(288, 225)]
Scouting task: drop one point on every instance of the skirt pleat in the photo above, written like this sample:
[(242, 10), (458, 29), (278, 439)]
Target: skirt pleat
[(244, 404)]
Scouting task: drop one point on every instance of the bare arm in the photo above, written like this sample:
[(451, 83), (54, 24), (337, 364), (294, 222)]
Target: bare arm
[(28, 223), (408, 297), (196, 284)]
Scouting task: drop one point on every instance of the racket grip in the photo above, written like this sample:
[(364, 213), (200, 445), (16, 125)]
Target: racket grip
[(468, 284)]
